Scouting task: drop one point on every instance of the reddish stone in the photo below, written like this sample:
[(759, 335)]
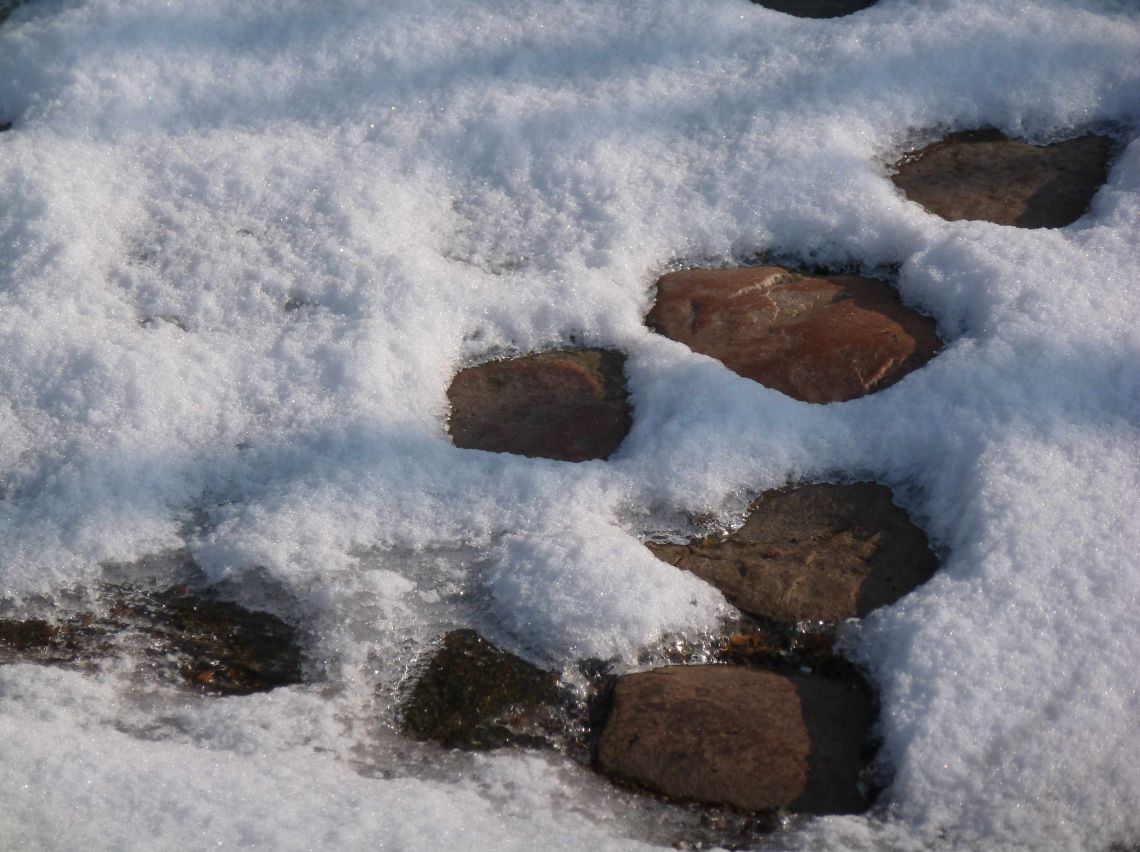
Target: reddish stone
[(981, 174), (569, 405), (819, 552), (744, 737), (818, 339)]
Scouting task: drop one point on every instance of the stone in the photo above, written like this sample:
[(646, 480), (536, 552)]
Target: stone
[(211, 645), (474, 695), (813, 553), (815, 338), (744, 737), (219, 647), (982, 174), (569, 405), (26, 635), (816, 8)]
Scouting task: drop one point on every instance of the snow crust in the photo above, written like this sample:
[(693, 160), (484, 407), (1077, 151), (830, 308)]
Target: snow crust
[(244, 246)]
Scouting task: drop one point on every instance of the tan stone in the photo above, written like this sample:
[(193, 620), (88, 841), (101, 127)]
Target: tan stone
[(818, 339), (569, 405), (744, 737), (818, 552), (983, 175)]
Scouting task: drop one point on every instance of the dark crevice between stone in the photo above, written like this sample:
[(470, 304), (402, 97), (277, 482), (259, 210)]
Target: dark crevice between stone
[(816, 8), (569, 405), (984, 175), (178, 634)]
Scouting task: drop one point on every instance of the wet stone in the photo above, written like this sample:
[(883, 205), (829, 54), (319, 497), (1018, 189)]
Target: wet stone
[(816, 8), (213, 646), (26, 635), (474, 695), (745, 737), (569, 405), (815, 338), (813, 553), (220, 647), (982, 174)]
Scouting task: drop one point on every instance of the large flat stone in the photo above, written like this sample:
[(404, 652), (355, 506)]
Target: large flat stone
[(981, 174), (569, 405), (817, 339), (818, 552), (739, 736)]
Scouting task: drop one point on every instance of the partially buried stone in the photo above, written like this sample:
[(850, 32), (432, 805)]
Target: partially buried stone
[(474, 695), (817, 552), (569, 405), (213, 646), (26, 635), (982, 174), (220, 647), (816, 8), (817, 339), (740, 736)]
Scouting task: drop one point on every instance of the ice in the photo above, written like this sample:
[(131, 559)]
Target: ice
[(245, 247)]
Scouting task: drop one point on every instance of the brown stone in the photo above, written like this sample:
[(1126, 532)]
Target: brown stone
[(816, 8), (981, 174), (818, 339), (818, 552), (739, 736), (569, 405)]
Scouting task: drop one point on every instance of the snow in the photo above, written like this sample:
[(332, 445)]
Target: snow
[(428, 184)]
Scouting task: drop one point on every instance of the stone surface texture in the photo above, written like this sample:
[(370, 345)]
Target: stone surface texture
[(474, 695), (569, 405), (817, 339), (816, 8), (981, 174), (817, 552), (178, 634), (744, 737)]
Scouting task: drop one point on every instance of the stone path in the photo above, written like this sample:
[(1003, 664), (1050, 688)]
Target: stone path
[(778, 721)]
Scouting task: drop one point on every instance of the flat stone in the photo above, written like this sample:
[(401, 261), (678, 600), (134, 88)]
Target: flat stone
[(740, 736), (813, 553), (474, 695), (816, 8), (815, 338), (569, 405), (982, 174)]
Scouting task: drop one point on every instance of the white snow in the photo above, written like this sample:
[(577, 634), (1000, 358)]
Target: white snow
[(428, 184)]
